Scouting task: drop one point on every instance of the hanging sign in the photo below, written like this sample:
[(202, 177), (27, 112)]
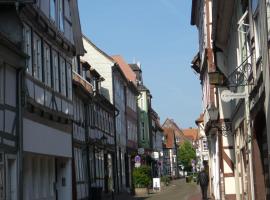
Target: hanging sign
[(227, 95)]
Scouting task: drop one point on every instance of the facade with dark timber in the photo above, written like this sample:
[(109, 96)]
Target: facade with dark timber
[(39, 40)]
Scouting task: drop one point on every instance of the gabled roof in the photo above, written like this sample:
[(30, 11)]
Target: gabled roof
[(98, 49), (191, 133), (126, 69)]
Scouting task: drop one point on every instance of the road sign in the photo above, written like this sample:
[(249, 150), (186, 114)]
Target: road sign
[(141, 151), (227, 95)]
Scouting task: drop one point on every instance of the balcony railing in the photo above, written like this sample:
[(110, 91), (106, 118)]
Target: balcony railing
[(77, 78)]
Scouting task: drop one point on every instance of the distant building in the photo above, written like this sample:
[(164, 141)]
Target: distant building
[(202, 151), (128, 77)]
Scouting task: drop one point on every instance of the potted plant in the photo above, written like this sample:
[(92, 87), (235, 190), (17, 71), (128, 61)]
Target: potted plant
[(141, 179)]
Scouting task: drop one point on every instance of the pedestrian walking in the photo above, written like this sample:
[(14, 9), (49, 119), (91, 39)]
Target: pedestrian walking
[(203, 180)]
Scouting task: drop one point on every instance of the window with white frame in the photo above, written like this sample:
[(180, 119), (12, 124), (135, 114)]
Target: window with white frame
[(27, 35), (47, 65), (37, 57), (55, 71), (63, 76)]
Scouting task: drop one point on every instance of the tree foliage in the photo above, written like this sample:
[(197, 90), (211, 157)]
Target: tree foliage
[(142, 176), (186, 153)]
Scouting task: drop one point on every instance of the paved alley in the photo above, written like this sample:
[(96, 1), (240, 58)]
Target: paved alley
[(177, 190)]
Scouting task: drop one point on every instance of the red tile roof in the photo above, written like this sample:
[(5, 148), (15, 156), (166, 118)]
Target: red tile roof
[(191, 133), (126, 69)]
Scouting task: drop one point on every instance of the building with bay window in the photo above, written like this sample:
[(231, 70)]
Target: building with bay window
[(40, 39), (93, 135)]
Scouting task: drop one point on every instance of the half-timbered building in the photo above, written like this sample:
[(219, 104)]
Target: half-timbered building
[(93, 135), (39, 40)]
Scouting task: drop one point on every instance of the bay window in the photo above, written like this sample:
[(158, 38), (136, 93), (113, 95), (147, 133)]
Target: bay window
[(47, 65)]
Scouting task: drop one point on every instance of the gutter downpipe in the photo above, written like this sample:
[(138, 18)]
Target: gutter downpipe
[(116, 113)]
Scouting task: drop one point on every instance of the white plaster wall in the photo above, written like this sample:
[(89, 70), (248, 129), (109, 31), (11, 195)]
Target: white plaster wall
[(38, 138), (229, 185), (102, 64)]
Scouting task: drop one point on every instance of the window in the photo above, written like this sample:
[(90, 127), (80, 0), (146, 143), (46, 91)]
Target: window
[(61, 15), (2, 182), (143, 136), (47, 65), (55, 71), (52, 9), (37, 58), (2, 85), (205, 146), (69, 81), (257, 37), (28, 47), (63, 76)]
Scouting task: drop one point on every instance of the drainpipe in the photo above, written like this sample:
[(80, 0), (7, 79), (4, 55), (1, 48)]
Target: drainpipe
[(116, 113)]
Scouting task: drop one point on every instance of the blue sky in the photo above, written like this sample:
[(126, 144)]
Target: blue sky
[(158, 34)]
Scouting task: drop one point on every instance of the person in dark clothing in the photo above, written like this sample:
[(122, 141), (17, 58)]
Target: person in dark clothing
[(203, 180)]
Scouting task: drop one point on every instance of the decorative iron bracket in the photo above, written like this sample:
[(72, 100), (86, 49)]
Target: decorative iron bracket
[(242, 75)]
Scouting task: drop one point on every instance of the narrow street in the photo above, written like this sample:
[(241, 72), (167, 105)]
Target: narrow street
[(177, 190)]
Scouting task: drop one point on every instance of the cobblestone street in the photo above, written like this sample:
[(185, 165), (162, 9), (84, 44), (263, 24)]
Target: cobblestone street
[(177, 190)]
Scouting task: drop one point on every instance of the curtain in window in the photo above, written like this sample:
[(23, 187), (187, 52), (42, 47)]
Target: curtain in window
[(55, 71), (63, 76)]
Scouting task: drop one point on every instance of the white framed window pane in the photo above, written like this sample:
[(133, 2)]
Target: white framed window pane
[(27, 46)]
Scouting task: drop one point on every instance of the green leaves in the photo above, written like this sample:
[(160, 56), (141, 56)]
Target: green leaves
[(186, 153), (142, 176)]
